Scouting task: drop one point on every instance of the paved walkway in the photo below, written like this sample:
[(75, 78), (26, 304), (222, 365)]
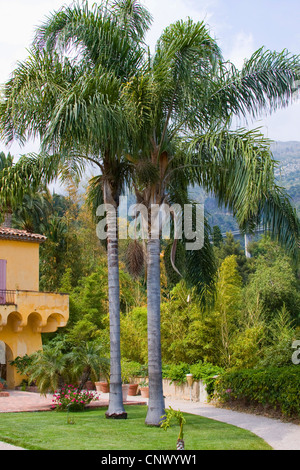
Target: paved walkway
[(279, 435)]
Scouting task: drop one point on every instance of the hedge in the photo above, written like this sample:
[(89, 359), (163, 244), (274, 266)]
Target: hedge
[(277, 387)]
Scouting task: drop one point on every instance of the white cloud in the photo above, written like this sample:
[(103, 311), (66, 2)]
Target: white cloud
[(19, 18), (165, 12), (242, 49)]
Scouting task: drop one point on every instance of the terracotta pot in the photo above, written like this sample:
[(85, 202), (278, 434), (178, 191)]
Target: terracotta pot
[(102, 387), (144, 392), (125, 390), (133, 390)]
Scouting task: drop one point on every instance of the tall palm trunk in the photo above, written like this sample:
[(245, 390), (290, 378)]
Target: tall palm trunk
[(116, 408), (156, 405)]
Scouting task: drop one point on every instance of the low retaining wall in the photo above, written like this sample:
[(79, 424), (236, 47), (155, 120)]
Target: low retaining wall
[(183, 392)]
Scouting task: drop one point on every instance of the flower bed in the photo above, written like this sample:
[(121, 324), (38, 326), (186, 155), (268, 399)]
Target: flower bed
[(72, 399)]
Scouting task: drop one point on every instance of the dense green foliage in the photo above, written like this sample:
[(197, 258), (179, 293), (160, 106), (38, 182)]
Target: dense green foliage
[(275, 386), (250, 321)]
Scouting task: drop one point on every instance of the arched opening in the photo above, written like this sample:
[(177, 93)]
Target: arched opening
[(14, 321), (54, 321), (6, 370), (35, 322)]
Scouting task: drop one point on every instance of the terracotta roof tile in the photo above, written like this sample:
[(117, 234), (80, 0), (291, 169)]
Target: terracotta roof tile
[(23, 235)]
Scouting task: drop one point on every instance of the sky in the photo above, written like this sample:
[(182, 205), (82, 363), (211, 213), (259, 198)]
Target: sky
[(240, 27)]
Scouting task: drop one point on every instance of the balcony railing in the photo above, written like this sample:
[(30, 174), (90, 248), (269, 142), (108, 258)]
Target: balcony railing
[(7, 297)]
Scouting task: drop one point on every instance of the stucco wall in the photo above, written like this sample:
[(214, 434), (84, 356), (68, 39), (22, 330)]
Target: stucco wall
[(21, 325), (183, 392), (22, 264)]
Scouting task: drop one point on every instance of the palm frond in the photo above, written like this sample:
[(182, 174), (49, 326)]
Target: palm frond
[(132, 16), (268, 81), (238, 168), (29, 174)]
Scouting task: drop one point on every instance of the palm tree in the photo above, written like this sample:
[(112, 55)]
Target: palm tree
[(32, 213), (74, 106), (86, 360), (48, 369), (22, 185), (184, 100)]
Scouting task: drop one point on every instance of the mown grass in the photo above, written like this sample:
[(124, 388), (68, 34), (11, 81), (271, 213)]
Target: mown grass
[(92, 431)]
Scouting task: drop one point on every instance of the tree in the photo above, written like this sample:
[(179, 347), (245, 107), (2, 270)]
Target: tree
[(273, 284), (21, 182), (229, 247), (79, 107), (32, 213), (227, 306), (86, 360), (217, 236), (184, 99), (48, 369)]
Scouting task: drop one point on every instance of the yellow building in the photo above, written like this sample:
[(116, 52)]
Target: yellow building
[(25, 312)]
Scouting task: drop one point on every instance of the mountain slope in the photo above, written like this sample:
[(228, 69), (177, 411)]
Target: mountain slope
[(287, 154)]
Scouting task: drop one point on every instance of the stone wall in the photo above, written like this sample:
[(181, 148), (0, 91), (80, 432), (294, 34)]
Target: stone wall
[(183, 392)]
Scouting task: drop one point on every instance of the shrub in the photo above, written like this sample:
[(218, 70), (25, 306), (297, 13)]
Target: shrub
[(176, 372), (278, 387), (72, 399), (130, 369), (204, 371)]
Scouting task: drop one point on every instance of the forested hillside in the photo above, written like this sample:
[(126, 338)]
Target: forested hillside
[(287, 154)]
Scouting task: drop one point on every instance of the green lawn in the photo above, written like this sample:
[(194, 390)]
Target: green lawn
[(92, 431)]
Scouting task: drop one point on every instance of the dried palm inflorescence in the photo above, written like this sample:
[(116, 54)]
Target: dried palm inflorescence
[(135, 258)]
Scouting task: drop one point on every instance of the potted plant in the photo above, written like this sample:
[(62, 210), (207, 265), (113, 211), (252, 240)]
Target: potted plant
[(144, 389), (125, 390), (103, 386), (125, 380), (130, 369), (133, 389)]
